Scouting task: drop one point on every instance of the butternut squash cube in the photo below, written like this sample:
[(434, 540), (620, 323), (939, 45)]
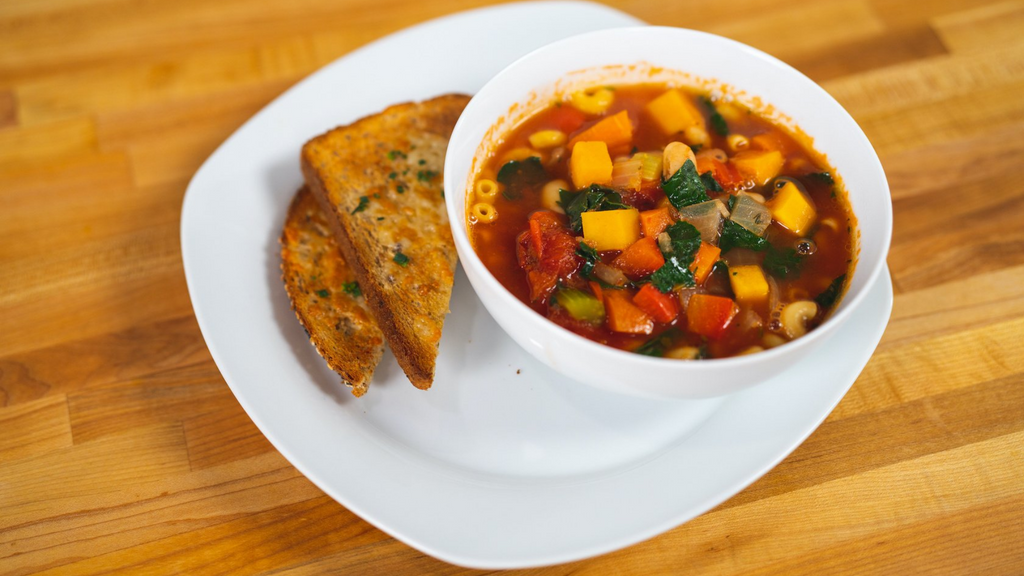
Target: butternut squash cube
[(674, 112), (590, 164), (611, 229), (748, 284), (759, 165), (791, 208)]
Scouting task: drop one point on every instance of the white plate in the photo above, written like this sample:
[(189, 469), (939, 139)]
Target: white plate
[(503, 463)]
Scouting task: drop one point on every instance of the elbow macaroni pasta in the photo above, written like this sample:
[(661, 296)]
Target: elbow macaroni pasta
[(484, 212)]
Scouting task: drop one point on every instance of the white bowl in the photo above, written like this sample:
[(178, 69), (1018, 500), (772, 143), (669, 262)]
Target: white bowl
[(646, 54)]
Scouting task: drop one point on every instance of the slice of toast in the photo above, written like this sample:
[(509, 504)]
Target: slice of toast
[(380, 180), (325, 295)]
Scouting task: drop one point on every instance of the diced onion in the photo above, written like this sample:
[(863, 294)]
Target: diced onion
[(685, 294), (706, 218), (626, 173), (773, 294), (610, 275), (751, 214), (748, 320)]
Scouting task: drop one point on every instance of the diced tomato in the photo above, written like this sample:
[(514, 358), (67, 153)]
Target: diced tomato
[(654, 222), (662, 307), (639, 259), (623, 316), (709, 315), (703, 261), (645, 198), (567, 119), (547, 252), (725, 174)]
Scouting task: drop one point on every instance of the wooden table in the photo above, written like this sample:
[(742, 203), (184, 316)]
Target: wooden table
[(122, 449)]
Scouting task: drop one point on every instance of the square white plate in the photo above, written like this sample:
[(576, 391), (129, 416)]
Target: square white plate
[(503, 463)]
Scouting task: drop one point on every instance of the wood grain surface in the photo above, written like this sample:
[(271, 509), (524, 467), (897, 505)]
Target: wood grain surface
[(123, 451)]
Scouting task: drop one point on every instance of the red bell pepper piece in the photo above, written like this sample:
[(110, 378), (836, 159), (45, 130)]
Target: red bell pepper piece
[(662, 307)]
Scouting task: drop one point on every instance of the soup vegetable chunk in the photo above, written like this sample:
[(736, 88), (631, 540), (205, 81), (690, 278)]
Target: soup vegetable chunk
[(658, 221)]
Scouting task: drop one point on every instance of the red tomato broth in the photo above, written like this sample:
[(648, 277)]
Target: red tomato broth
[(495, 242)]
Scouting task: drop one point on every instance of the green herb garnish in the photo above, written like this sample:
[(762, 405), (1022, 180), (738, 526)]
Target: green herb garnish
[(396, 154), (401, 259), (422, 162), (400, 189), (518, 175), (393, 175), (323, 293), (683, 244), (718, 123), (352, 288), (594, 198), (425, 175), (829, 296), (736, 236), (364, 201), (685, 187)]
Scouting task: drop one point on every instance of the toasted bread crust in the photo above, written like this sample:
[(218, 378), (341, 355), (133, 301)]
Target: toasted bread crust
[(314, 272), (394, 160)]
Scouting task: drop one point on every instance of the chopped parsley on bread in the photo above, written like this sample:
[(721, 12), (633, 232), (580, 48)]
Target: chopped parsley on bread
[(379, 182), (326, 296)]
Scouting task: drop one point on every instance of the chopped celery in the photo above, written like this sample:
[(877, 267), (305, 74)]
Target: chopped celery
[(650, 169), (580, 305)]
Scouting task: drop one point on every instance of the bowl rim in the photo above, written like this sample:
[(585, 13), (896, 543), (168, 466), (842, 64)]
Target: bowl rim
[(469, 257)]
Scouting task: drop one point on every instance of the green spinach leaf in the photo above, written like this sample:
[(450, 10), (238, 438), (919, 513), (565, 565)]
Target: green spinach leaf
[(736, 236), (683, 244), (685, 187), (782, 263), (518, 175), (590, 258), (829, 296), (710, 183), (595, 198), (718, 123)]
